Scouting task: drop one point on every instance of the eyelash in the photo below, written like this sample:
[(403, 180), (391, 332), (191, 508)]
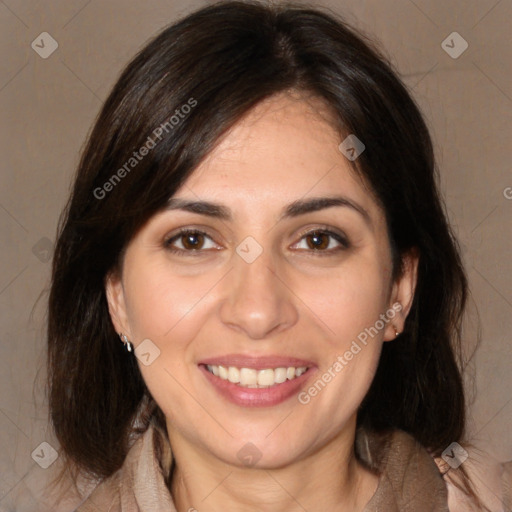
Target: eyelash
[(341, 239)]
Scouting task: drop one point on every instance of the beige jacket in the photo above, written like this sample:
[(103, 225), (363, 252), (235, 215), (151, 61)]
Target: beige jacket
[(410, 480)]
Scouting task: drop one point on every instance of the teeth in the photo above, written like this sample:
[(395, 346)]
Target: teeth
[(299, 371), (223, 372), (251, 378), (266, 378), (248, 377), (280, 375), (233, 375)]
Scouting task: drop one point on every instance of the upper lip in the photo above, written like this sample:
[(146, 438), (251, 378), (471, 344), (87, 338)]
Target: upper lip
[(256, 362)]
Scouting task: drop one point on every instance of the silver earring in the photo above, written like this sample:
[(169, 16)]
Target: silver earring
[(396, 332), (127, 343)]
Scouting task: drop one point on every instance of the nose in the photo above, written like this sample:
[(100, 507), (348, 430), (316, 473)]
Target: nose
[(258, 301)]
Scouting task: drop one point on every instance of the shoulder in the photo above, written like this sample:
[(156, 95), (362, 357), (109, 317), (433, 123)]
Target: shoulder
[(113, 493), (81, 492), (106, 496), (412, 470), (409, 478), (140, 483), (490, 480)]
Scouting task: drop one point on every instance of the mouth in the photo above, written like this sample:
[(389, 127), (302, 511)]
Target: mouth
[(256, 379)]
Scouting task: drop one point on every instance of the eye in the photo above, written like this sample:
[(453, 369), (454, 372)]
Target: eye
[(322, 240), (190, 240)]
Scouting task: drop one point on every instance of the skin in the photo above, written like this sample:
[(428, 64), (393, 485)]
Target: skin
[(293, 300)]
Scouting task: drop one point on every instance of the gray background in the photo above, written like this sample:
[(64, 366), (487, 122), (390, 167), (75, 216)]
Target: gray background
[(48, 106)]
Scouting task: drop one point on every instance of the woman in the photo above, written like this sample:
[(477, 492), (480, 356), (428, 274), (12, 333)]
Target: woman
[(256, 297)]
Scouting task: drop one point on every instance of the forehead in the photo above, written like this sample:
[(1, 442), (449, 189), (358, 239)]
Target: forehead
[(284, 149)]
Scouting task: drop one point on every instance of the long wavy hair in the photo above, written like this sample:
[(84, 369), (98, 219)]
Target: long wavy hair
[(228, 57)]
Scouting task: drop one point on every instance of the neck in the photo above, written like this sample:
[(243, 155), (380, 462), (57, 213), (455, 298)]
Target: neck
[(331, 479)]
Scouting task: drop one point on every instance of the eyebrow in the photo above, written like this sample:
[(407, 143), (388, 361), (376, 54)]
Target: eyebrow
[(294, 209)]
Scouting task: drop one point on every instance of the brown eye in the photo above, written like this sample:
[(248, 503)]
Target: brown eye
[(318, 240), (322, 241), (192, 240)]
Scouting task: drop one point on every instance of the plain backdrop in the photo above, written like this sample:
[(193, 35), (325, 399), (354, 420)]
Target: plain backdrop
[(48, 106)]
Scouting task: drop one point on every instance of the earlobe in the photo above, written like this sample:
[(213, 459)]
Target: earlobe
[(403, 293), (116, 303)]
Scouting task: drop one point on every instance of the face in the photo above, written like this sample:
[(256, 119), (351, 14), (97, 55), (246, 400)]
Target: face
[(271, 267)]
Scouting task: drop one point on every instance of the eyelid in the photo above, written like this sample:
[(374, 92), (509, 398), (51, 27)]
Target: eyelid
[(324, 228), (184, 230), (335, 233), (190, 228)]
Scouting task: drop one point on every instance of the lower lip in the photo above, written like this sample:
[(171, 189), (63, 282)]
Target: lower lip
[(257, 397)]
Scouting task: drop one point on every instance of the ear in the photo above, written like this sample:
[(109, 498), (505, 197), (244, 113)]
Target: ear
[(116, 303), (402, 294)]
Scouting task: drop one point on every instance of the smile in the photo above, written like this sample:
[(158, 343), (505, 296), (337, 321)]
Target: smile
[(253, 378), (256, 380)]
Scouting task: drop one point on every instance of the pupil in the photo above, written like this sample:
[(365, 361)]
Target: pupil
[(192, 240), (318, 241)]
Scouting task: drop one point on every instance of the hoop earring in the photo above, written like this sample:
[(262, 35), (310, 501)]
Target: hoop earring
[(127, 343)]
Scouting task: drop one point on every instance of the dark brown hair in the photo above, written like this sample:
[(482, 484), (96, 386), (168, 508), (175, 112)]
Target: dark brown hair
[(227, 58)]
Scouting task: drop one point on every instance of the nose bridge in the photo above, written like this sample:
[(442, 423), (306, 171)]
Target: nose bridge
[(256, 280), (257, 302)]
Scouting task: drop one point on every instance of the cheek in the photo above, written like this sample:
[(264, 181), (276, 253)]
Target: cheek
[(350, 299), (350, 303), (170, 311), (162, 303)]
